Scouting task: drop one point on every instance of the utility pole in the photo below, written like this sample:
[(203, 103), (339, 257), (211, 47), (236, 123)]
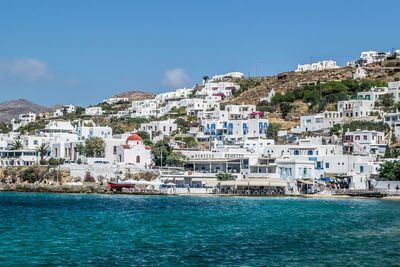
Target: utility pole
[(161, 160), (256, 69)]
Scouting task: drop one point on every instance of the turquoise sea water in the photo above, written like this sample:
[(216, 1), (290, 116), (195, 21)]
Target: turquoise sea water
[(64, 229)]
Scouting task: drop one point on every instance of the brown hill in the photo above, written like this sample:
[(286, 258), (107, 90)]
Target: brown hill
[(136, 95), (289, 80), (11, 109)]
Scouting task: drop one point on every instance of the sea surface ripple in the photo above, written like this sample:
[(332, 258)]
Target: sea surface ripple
[(120, 230)]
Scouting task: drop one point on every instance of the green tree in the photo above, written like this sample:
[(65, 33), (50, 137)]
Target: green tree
[(16, 145), (147, 142), (94, 147), (225, 177), (53, 162), (390, 170), (385, 100), (272, 130), (4, 127), (388, 152), (143, 134), (285, 109), (190, 141), (335, 130), (161, 151), (43, 149), (175, 159), (80, 111), (205, 78)]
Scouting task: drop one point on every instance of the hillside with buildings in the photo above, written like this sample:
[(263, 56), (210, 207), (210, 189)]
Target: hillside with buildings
[(321, 127), (12, 109), (388, 71)]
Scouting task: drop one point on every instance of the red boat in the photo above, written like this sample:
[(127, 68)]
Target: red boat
[(119, 185)]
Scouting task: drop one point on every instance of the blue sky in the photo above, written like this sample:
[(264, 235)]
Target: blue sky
[(80, 52)]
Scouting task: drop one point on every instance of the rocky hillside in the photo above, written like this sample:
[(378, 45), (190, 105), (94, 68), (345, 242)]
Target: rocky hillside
[(11, 109), (136, 95), (289, 80)]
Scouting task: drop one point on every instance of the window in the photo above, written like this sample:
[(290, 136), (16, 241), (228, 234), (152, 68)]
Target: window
[(319, 165), (137, 159), (327, 165), (365, 137), (361, 168), (357, 137), (115, 150), (296, 152), (310, 152)]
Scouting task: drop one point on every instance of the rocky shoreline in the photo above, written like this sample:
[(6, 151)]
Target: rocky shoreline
[(89, 188), (43, 188)]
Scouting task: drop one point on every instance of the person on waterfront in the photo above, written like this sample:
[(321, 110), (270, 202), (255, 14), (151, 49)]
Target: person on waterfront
[(388, 187), (397, 188)]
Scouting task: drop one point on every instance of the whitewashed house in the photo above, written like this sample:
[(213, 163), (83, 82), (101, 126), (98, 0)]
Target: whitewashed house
[(144, 109), (365, 142), (356, 109), (67, 109), (23, 119), (218, 89), (368, 57), (159, 128), (93, 111), (116, 100), (235, 75), (103, 132), (321, 65)]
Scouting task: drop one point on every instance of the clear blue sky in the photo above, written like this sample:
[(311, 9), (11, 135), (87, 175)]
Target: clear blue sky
[(80, 52)]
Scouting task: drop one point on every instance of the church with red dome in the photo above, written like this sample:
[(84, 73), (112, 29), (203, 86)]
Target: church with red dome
[(134, 152)]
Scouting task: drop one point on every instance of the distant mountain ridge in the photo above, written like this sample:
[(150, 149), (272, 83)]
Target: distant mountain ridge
[(136, 95), (11, 109)]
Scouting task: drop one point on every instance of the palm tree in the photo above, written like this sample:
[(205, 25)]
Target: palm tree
[(17, 145), (43, 149), (205, 79)]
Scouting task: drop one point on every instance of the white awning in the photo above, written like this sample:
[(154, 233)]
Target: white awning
[(271, 182)]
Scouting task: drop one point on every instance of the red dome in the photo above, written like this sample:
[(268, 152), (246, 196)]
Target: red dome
[(134, 137), (147, 147)]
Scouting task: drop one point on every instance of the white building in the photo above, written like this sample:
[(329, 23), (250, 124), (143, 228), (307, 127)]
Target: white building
[(59, 127), (196, 105), (159, 128), (84, 132), (21, 157), (134, 152), (359, 74), (23, 119), (93, 111), (116, 100), (235, 75), (144, 109), (321, 65), (67, 109), (176, 95), (356, 109), (365, 142), (368, 57), (218, 89), (393, 119), (268, 98), (318, 122)]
